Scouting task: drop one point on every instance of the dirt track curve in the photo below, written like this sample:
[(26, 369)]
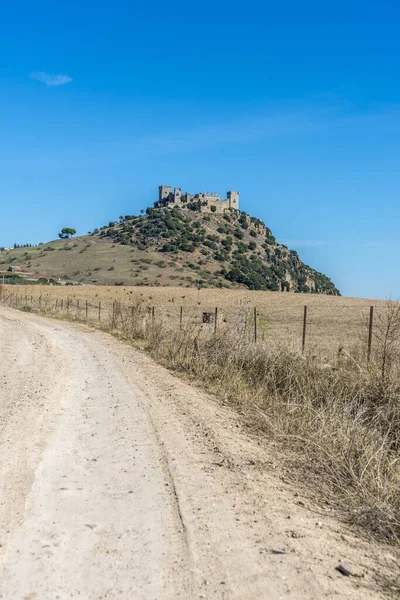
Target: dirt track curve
[(118, 480)]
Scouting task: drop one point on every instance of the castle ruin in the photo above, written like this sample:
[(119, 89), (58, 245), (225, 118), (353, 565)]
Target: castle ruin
[(204, 200)]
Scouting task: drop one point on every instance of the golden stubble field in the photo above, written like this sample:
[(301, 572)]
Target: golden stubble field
[(332, 322)]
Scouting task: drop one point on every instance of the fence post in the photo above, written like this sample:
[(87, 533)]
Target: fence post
[(99, 311), (216, 320), (113, 313), (56, 302), (180, 318), (62, 303), (255, 324), (77, 305), (303, 344), (371, 320), (152, 315), (67, 304), (86, 309)]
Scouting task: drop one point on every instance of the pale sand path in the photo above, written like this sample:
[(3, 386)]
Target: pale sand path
[(118, 480)]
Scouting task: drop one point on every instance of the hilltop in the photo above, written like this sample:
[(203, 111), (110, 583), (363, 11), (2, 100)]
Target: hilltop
[(175, 246)]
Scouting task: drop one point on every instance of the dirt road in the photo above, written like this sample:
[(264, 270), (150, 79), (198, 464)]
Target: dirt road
[(118, 480)]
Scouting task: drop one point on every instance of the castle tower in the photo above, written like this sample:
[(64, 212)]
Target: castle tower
[(178, 195), (233, 199), (164, 192)]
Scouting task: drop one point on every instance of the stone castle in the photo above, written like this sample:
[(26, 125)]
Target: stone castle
[(204, 200)]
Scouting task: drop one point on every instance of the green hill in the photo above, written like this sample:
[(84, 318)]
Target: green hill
[(173, 246)]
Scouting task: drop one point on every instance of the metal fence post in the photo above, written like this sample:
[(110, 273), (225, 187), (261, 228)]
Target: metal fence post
[(371, 320), (303, 344)]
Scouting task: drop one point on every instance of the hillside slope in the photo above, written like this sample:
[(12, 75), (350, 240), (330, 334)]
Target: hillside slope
[(175, 247)]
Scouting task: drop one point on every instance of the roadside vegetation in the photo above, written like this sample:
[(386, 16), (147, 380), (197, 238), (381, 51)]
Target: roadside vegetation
[(337, 425)]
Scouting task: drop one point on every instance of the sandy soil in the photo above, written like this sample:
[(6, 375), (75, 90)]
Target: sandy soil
[(118, 480)]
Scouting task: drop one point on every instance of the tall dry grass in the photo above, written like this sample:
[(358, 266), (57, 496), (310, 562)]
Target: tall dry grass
[(338, 425)]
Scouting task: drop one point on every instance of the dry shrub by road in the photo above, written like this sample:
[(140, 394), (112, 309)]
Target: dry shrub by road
[(333, 322), (338, 425)]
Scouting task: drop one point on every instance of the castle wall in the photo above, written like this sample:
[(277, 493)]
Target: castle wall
[(209, 197), (220, 205), (206, 200)]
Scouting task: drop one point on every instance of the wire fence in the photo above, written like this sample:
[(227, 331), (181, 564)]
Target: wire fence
[(306, 328)]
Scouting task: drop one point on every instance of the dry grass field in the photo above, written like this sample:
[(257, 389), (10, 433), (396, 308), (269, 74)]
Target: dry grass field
[(332, 322), (99, 261)]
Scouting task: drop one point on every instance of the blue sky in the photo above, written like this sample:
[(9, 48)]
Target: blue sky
[(296, 105)]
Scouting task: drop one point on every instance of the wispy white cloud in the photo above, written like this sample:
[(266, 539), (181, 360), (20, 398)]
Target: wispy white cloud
[(269, 126), (380, 243), (175, 140), (49, 79), (304, 243), (342, 244)]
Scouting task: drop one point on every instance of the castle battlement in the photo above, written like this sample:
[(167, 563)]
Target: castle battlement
[(205, 200)]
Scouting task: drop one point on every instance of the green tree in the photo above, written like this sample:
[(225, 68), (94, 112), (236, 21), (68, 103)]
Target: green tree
[(66, 233)]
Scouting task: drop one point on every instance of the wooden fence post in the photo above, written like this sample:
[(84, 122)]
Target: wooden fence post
[(62, 303), (255, 324), (99, 311), (216, 320), (86, 310), (303, 344), (180, 318), (371, 320), (152, 315), (77, 305)]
